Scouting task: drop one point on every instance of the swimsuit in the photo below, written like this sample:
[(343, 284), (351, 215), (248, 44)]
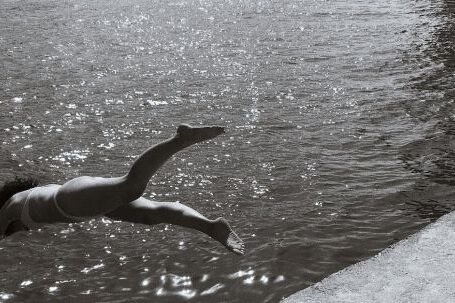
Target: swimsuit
[(30, 223), (25, 214)]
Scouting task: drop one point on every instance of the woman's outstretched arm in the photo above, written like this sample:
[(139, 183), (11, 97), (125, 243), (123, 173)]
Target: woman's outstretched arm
[(148, 212)]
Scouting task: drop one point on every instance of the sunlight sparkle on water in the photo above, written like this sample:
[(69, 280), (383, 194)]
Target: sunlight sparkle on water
[(5, 296), (185, 293), (241, 273), (86, 270), (205, 277), (249, 280), (86, 292), (212, 289), (279, 278), (172, 284), (26, 283), (69, 156), (146, 282), (154, 102), (264, 279)]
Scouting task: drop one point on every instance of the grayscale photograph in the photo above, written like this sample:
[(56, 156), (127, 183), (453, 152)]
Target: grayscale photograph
[(227, 151)]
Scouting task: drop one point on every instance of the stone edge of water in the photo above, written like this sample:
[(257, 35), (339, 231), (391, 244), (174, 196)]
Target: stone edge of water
[(420, 268)]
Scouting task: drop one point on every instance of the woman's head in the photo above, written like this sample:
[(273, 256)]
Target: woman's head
[(17, 185)]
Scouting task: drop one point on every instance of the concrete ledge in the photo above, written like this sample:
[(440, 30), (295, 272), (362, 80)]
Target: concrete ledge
[(420, 268)]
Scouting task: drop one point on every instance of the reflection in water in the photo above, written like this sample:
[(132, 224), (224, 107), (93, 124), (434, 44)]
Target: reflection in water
[(433, 156)]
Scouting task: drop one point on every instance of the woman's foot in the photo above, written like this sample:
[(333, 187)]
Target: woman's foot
[(223, 233), (189, 135)]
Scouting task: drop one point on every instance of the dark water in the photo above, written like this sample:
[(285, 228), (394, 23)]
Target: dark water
[(340, 142)]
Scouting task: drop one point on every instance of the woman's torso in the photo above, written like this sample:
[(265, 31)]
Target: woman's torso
[(39, 206), (32, 208)]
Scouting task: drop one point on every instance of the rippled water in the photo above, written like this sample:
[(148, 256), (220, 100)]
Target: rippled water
[(340, 138)]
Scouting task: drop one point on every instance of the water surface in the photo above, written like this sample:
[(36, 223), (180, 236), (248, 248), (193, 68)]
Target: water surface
[(339, 142)]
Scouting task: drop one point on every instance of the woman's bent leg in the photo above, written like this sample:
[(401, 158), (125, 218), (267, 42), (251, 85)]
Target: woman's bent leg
[(94, 196)]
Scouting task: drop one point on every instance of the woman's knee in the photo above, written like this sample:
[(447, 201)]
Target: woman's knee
[(133, 190)]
